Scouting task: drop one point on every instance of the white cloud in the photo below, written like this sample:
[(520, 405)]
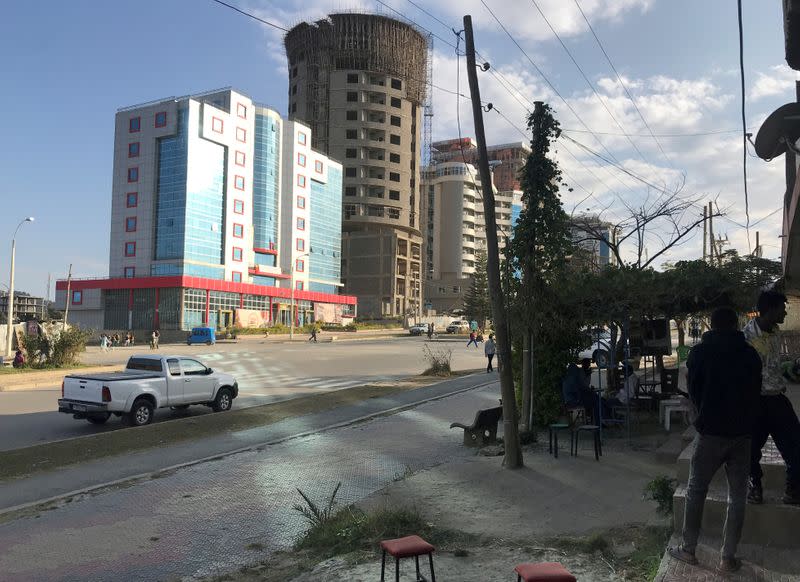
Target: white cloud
[(778, 80)]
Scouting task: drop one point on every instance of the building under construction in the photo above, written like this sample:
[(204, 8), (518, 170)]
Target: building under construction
[(359, 82)]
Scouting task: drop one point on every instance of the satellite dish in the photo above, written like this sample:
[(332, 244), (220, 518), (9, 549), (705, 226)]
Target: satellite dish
[(782, 126)]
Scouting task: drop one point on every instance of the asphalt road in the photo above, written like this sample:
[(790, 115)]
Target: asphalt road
[(266, 371)]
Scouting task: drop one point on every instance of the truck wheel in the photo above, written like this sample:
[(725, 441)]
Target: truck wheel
[(223, 401), (141, 413), (99, 418), (208, 342)]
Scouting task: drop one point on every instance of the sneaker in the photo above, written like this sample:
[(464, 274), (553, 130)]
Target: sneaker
[(755, 493), (729, 565), (684, 556)]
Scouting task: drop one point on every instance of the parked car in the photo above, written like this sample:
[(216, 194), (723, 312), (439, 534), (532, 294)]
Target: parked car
[(418, 329), (147, 383), (599, 351), (458, 326), (202, 335)]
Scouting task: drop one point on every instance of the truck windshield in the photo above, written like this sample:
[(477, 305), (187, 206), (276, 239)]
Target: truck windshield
[(144, 364)]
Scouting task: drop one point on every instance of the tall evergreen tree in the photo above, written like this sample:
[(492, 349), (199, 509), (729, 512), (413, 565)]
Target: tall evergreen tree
[(476, 301)]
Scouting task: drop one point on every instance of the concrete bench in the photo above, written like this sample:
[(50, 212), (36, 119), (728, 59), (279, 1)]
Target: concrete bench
[(483, 429)]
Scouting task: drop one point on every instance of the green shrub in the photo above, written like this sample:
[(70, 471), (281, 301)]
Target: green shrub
[(60, 350), (661, 489), (438, 361)]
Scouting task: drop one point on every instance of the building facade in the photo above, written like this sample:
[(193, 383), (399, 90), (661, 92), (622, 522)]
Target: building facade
[(509, 159), (589, 251), (219, 206), (358, 81), (455, 231), (25, 307)]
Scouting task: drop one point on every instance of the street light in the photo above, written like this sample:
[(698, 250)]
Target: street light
[(291, 313), (10, 314)]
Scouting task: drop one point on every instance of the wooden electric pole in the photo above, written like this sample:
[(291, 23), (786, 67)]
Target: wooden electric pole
[(67, 300), (705, 233), (513, 452), (713, 248)]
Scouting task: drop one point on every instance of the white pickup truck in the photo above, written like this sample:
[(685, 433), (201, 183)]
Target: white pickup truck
[(147, 383)]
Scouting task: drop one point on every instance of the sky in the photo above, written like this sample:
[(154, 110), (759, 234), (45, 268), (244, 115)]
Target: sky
[(68, 66)]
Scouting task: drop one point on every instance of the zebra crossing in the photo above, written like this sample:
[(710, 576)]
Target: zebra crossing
[(256, 374)]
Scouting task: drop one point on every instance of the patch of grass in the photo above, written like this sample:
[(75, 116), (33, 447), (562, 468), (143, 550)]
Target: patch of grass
[(351, 530)]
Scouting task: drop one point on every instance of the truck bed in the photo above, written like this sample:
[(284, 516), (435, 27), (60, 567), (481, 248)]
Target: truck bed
[(114, 376)]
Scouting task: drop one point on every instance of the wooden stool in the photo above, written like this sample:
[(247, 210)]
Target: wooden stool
[(576, 433), (543, 572), (553, 429), (405, 548)]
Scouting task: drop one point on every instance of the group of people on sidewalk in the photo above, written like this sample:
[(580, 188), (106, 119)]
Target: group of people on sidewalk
[(737, 382)]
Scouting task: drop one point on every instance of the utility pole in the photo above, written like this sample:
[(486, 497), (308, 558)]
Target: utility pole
[(513, 452), (705, 233), (66, 301), (711, 239), (757, 251)]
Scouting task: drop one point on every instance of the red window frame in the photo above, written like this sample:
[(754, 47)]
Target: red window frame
[(301, 201), (137, 121), (301, 159), (299, 266), (164, 120), (238, 204), (128, 200), (131, 153), (239, 158), (131, 270), (241, 254), (238, 182), (133, 174), (241, 134), (298, 285), (133, 252), (79, 293), (301, 138), (318, 166), (127, 224), (301, 181), (236, 276), (301, 223), (214, 121), (300, 245), (241, 232), (241, 110)]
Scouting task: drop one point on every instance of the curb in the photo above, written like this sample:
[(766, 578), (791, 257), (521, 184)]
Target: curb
[(151, 474), (46, 379)]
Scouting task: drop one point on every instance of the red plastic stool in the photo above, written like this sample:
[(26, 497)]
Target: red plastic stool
[(543, 572), (405, 548)]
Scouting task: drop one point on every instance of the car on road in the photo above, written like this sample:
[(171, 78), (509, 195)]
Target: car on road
[(148, 382), (599, 351), (202, 335), (458, 326), (418, 329)]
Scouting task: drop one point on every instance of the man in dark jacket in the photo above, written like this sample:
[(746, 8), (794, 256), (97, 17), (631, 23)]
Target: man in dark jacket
[(724, 382)]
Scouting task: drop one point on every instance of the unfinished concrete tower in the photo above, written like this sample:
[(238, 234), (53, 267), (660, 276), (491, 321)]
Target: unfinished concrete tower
[(358, 80)]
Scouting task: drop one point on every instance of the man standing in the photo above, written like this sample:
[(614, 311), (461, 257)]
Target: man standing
[(777, 416), (489, 350), (724, 380)]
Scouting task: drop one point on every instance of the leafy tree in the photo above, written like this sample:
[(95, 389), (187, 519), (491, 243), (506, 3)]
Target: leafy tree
[(476, 301)]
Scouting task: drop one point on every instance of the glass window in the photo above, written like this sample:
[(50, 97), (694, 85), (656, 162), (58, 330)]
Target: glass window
[(241, 134), (301, 160), (318, 167), (395, 120), (77, 297), (301, 244), (352, 77), (238, 230), (299, 265), (130, 272), (192, 367), (236, 277), (239, 158), (352, 116), (394, 176), (133, 174), (350, 172), (174, 367), (238, 206), (350, 191), (352, 96), (395, 101), (298, 285), (241, 110), (133, 149), (394, 158), (301, 201), (237, 254), (301, 224), (301, 180), (394, 194), (217, 125), (130, 249), (161, 119), (394, 139), (238, 182), (130, 224), (351, 134), (397, 84), (132, 199), (134, 124), (301, 138), (350, 153)]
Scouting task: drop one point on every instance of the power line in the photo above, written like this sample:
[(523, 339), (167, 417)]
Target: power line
[(589, 83), (253, 16), (624, 86), (695, 134), (744, 124)]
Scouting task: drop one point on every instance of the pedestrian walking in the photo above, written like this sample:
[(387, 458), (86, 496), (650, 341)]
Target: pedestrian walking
[(489, 349), (103, 342), (313, 335), (776, 414), (724, 381), (473, 339), (154, 339)]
